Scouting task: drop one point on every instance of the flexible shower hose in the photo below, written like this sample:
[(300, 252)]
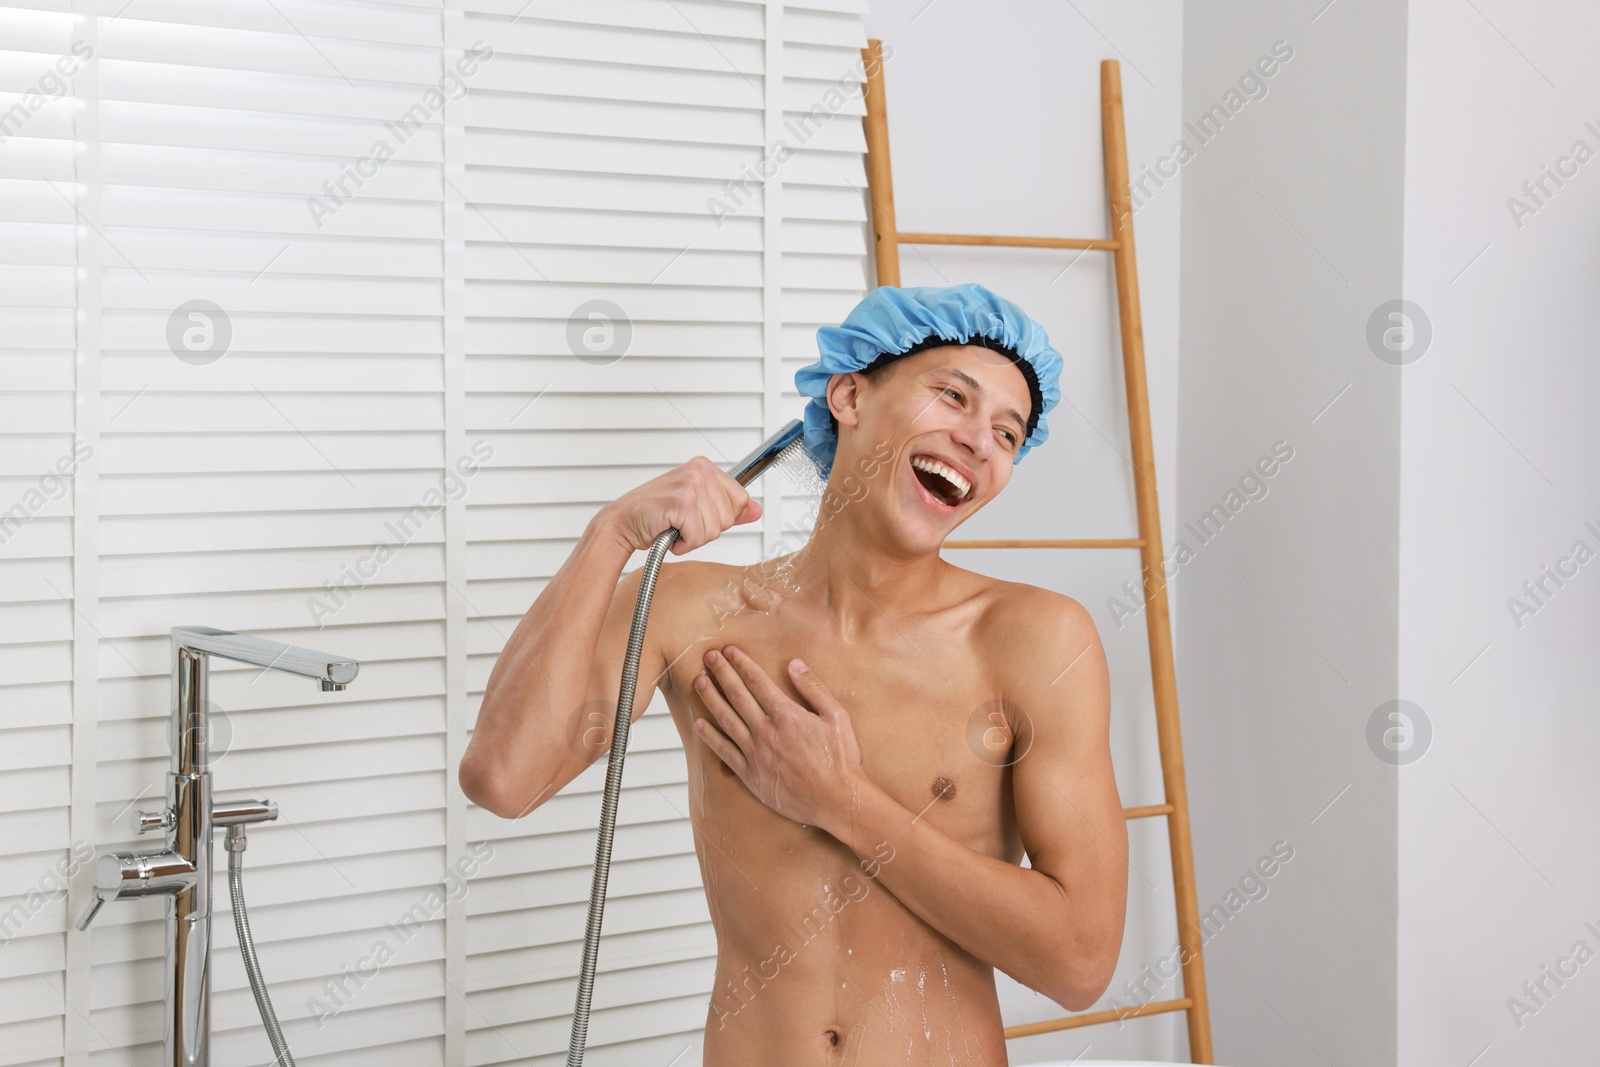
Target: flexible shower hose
[(608, 805), (783, 449), (247, 949)]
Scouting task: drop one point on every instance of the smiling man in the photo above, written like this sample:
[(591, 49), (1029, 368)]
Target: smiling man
[(875, 737)]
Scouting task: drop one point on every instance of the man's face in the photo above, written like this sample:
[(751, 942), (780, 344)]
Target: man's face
[(955, 417)]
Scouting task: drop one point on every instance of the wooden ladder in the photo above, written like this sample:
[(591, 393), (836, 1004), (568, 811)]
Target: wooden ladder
[(1176, 808)]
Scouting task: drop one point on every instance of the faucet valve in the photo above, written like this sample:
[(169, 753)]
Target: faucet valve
[(144, 821), (123, 875)]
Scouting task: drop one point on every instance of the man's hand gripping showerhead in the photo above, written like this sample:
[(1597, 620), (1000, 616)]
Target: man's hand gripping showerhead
[(698, 498)]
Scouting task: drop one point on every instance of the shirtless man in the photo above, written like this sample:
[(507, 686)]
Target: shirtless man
[(874, 737)]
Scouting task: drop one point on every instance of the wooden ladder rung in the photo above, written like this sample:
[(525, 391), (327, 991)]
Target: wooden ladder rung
[(1103, 244), (1072, 1022), (1034, 542), (1147, 811)]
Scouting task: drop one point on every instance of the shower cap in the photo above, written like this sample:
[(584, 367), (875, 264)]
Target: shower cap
[(891, 322)]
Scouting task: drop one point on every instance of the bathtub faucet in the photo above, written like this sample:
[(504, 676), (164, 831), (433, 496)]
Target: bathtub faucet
[(182, 871)]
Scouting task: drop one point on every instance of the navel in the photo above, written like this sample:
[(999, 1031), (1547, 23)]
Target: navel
[(943, 788)]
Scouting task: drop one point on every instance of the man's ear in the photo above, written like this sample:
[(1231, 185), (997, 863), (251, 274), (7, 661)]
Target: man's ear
[(844, 390)]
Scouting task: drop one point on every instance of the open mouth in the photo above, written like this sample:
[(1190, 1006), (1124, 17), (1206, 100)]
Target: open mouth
[(944, 484)]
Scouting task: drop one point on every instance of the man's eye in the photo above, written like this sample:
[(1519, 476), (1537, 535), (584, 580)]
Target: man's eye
[(952, 392)]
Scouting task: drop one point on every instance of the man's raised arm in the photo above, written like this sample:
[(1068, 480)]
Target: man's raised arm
[(564, 659)]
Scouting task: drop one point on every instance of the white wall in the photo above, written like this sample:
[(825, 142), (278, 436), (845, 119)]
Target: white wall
[(994, 122), (1288, 618), (1499, 871)]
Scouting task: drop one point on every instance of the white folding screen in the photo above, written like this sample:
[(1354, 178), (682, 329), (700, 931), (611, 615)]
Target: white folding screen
[(334, 322)]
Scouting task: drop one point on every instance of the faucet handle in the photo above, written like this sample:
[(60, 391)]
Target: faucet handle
[(91, 911), (152, 820)]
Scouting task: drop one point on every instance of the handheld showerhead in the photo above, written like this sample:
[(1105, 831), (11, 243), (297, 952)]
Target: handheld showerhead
[(786, 450), (767, 453)]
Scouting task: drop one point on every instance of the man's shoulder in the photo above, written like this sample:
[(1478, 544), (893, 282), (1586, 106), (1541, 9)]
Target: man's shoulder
[(686, 578), (1021, 620), (691, 597), (691, 587), (1046, 654)]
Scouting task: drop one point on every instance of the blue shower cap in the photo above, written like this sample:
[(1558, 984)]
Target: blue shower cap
[(891, 322)]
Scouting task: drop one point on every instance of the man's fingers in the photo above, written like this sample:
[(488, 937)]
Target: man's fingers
[(813, 689), (756, 680), (749, 513), (719, 744), (728, 718), (735, 690), (741, 507)]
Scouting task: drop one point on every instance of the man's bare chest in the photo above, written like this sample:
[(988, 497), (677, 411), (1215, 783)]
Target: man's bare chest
[(920, 698)]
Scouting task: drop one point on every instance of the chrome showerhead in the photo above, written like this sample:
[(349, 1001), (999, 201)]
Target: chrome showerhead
[(785, 449)]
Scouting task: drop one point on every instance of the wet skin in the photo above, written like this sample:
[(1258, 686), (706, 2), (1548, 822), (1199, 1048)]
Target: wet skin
[(859, 828), (819, 963)]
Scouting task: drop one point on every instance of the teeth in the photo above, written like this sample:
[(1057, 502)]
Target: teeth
[(935, 467)]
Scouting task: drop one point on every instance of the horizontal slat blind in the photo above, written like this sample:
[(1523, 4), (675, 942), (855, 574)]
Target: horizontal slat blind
[(39, 200), (599, 186), (234, 492), (387, 317)]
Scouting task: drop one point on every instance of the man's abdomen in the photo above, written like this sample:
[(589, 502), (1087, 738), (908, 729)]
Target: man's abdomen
[(818, 963)]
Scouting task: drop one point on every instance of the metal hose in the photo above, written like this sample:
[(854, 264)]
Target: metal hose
[(247, 948), (608, 805), (783, 449)]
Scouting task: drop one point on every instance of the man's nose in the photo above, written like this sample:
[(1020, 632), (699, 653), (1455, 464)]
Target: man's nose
[(975, 437)]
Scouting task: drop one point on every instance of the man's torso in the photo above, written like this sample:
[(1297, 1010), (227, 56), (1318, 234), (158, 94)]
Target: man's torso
[(817, 961)]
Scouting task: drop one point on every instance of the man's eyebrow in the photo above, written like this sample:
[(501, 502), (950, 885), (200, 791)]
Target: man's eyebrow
[(977, 387)]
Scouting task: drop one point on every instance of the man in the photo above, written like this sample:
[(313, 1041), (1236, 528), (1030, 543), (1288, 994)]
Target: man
[(874, 736)]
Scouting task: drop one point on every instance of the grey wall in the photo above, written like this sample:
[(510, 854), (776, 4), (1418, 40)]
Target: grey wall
[(1500, 875), (1287, 618)]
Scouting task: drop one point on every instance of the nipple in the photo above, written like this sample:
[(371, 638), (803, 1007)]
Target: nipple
[(943, 788)]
